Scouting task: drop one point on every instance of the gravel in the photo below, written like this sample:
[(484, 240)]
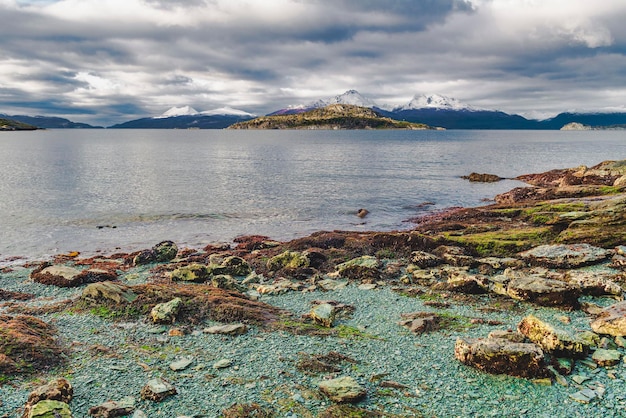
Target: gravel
[(263, 368)]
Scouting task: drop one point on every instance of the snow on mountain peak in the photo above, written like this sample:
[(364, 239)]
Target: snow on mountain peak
[(228, 111), (178, 111), (350, 97), (434, 101)]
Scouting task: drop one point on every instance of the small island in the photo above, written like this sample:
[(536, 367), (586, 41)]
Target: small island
[(335, 116), (12, 125)]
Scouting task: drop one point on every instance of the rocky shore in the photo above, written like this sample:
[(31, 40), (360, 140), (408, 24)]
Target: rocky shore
[(511, 309)]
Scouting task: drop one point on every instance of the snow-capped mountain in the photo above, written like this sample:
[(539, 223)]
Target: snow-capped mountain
[(433, 101), (228, 111), (177, 111), (350, 97)]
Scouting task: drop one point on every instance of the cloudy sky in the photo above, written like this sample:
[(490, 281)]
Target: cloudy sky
[(108, 61)]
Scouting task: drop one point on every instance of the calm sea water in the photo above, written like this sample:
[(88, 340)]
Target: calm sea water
[(104, 190)]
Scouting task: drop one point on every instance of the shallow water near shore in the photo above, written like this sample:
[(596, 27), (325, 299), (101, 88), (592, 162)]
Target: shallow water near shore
[(103, 190)]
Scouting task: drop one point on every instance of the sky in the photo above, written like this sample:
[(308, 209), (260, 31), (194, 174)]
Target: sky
[(110, 61)]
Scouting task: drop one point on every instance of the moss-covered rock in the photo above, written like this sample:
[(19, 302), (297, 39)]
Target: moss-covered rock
[(552, 340), (288, 260)]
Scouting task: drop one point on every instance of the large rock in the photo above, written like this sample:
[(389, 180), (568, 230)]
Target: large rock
[(288, 260), (552, 340), (544, 292), (235, 266), (611, 320), (424, 260), (165, 251), (324, 314), (157, 389), (565, 255), (165, 313), (50, 409), (499, 356), (361, 268), (108, 292), (194, 272), (342, 390), (594, 283), (57, 390), (57, 275)]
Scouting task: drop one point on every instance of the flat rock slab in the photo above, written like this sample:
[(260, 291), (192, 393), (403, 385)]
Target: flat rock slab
[(229, 329), (565, 255), (58, 275), (606, 358), (157, 390), (499, 356), (342, 390), (111, 409), (611, 320), (181, 364), (544, 292)]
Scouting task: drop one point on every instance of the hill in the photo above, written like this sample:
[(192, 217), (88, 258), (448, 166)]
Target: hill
[(12, 125), (51, 122), (334, 116)]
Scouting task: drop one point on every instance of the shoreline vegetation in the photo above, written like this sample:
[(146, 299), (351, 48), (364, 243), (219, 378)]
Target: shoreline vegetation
[(12, 125), (514, 308)]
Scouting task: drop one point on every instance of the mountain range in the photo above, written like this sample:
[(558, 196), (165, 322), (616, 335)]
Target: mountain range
[(433, 110)]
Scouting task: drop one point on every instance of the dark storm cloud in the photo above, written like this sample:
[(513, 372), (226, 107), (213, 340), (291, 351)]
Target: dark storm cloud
[(138, 57)]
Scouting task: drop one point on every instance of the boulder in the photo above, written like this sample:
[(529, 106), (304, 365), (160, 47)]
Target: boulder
[(606, 358), (194, 272), (144, 257), (228, 282), (565, 256), (594, 283), (323, 314), (361, 268), (49, 409), (611, 320), (165, 313), (544, 292), (420, 322), (235, 266), (111, 409), (157, 389), (108, 292), (165, 251), (229, 329), (94, 275), (552, 340), (342, 390), (483, 178), (499, 356), (288, 260), (57, 275), (424, 260), (56, 390)]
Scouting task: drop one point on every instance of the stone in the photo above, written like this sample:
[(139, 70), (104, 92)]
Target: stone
[(181, 364), (108, 292), (552, 340), (195, 272), (565, 255), (563, 365), (288, 260), (165, 313), (112, 409), (343, 389), (56, 390), (589, 338), (499, 356), (229, 329), (57, 275), (144, 257), (464, 283), (483, 178), (323, 314), (49, 409), (361, 268), (509, 335), (606, 358), (455, 256), (544, 292), (222, 364), (96, 275), (157, 389), (165, 251), (611, 320), (228, 282), (235, 266), (420, 322), (594, 283), (425, 260)]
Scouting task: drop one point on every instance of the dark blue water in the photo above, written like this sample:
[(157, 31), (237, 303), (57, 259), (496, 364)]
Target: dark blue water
[(58, 187)]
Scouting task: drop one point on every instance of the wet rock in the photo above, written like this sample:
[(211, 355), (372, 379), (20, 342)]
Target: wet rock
[(424, 260), (165, 251), (323, 314), (235, 266), (165, 313), (94, 275), (606, 358), (144, 257), (112, 409), (611, 320), (552, 340), (544, 292), (288, 260), (420, 322), (565, 255), (157, 389), (108, 292), (361, 268), (342, 390), (58, 275), (49, 409), (483, 178), (229, 329), (194, 272), (594, 283), (499, 356)]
